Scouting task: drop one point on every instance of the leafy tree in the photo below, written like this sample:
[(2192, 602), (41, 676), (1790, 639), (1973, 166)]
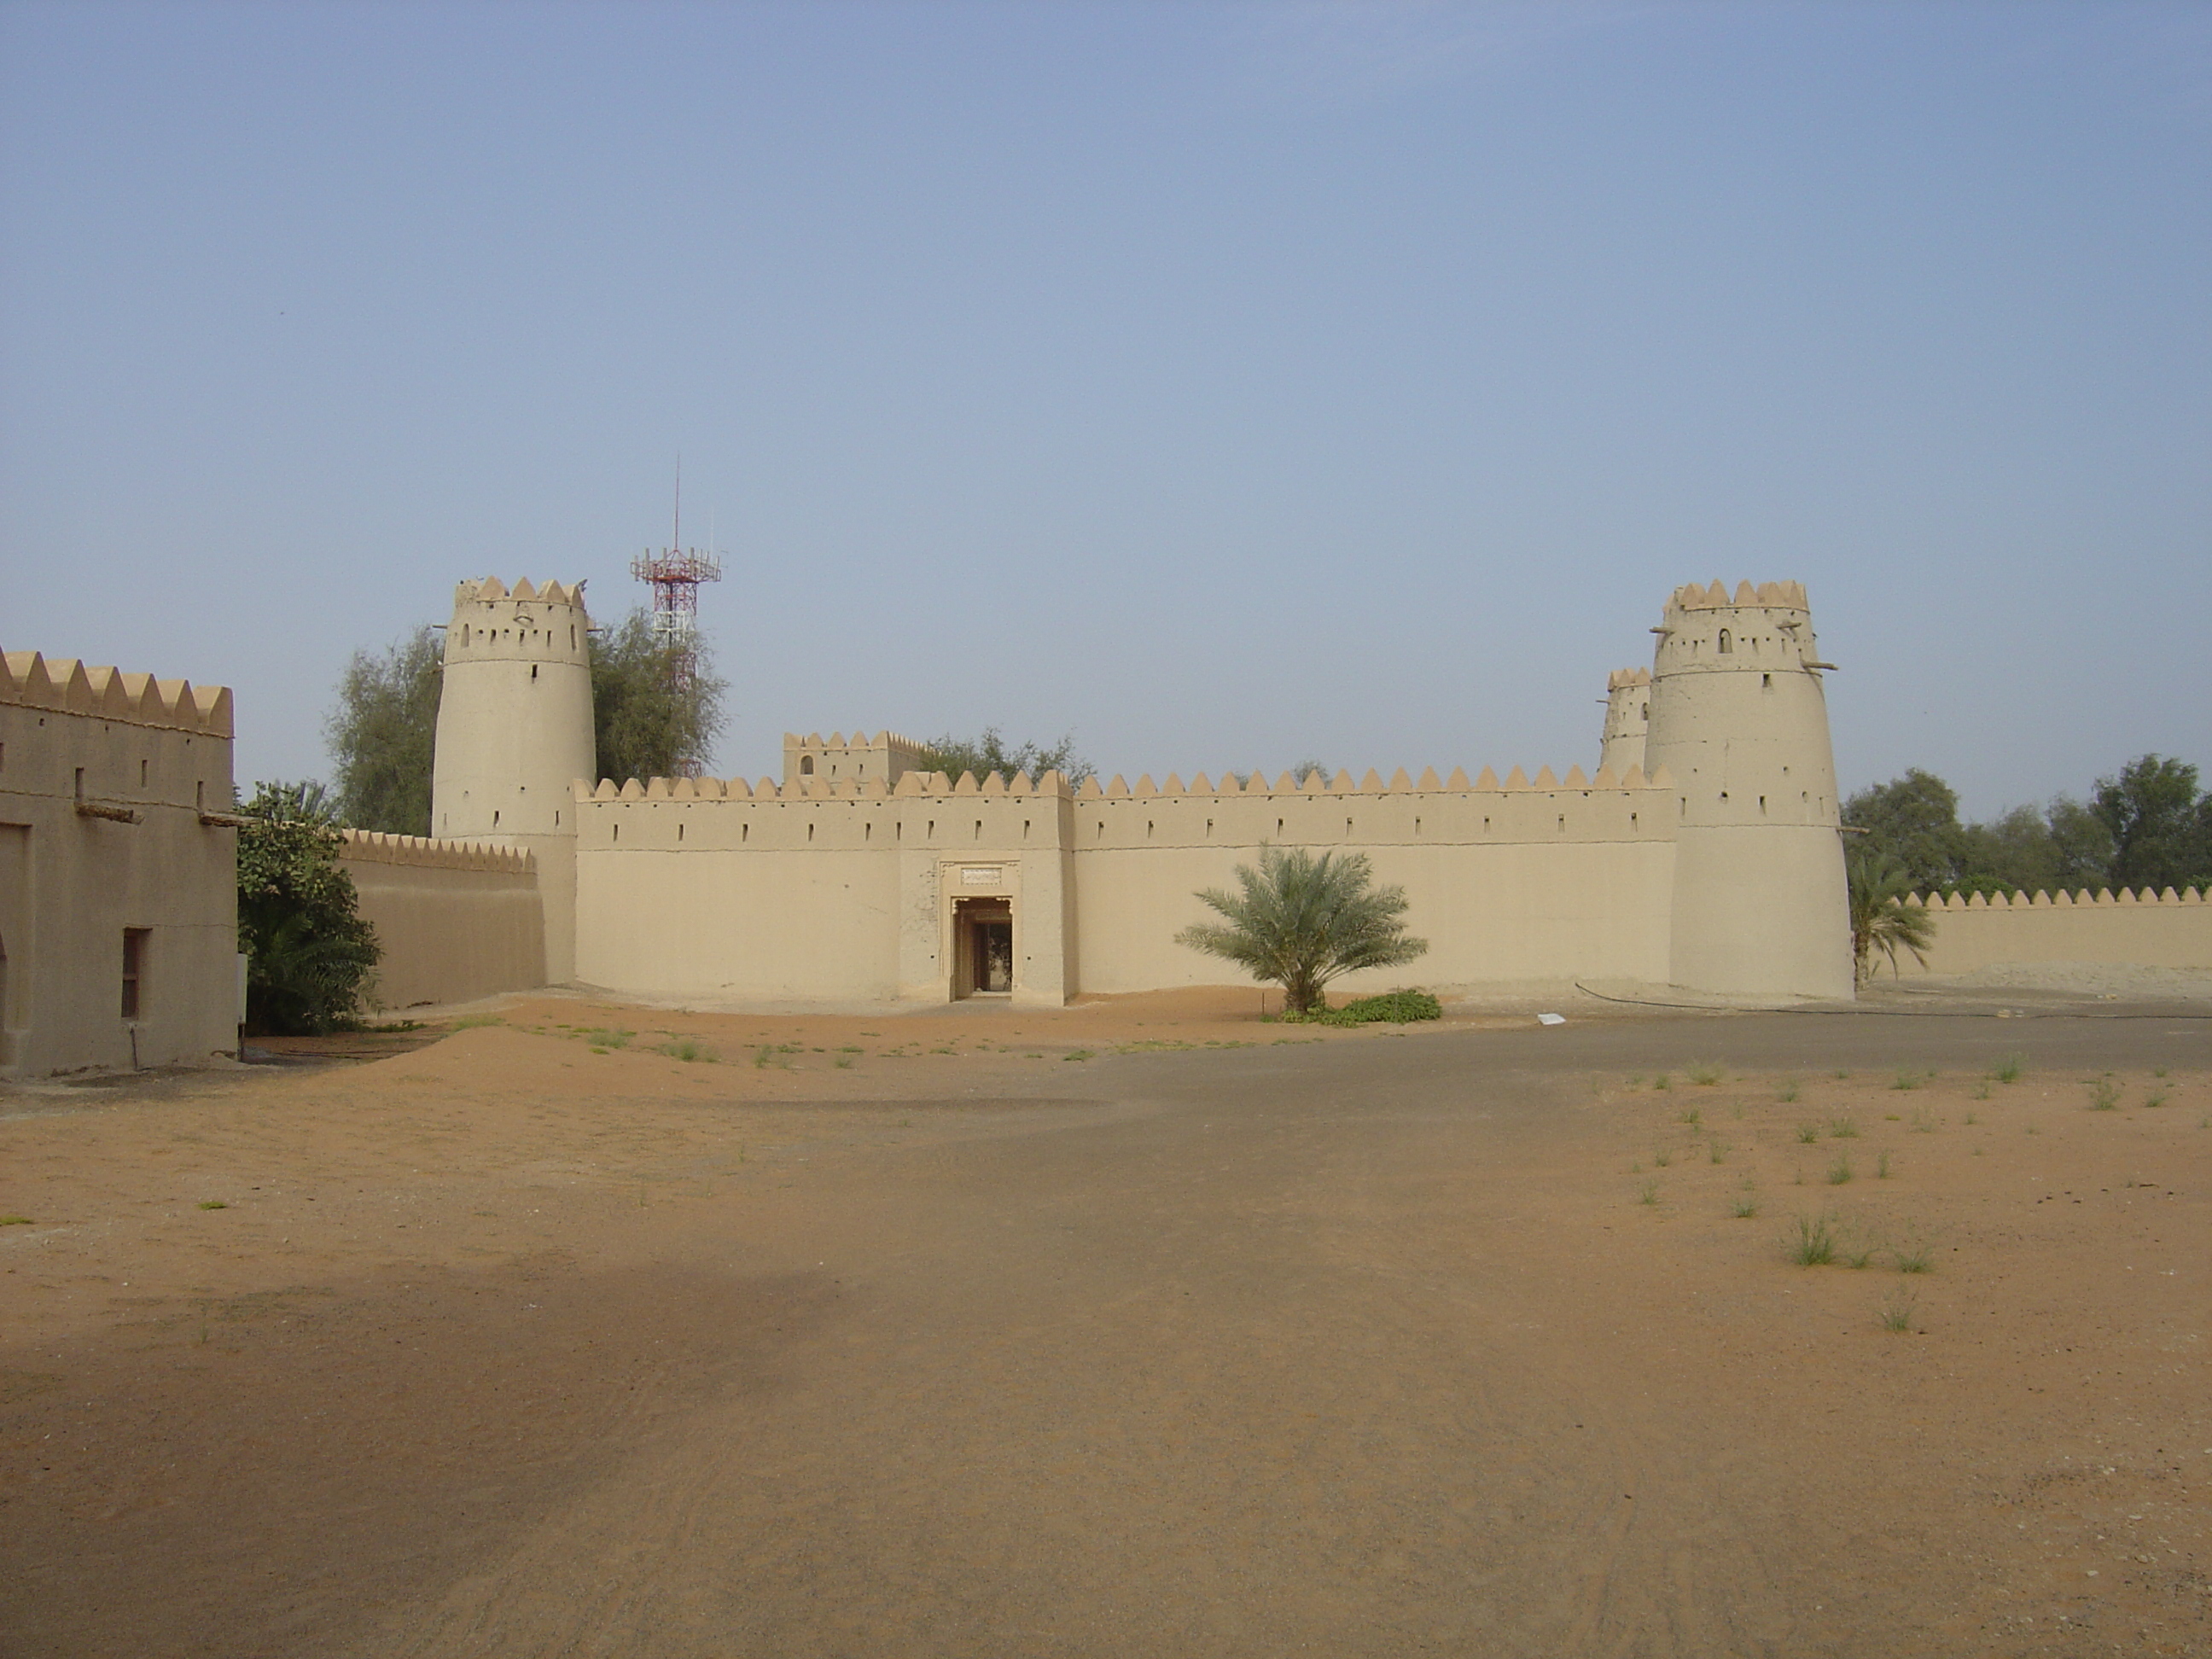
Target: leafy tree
[(646, 725), (1302, 920), (1914, 820), (1878, 886), (381, 735), (2158, 824), (2081, 845), (989, 753), (309, 953)]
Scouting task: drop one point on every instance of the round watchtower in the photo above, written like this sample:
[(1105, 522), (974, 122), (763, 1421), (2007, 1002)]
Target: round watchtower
[(1739, 718), (1627, 714), (514, 733)]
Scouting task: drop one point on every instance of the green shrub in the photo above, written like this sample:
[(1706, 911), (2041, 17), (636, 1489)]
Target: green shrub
[(1392, 1008), (310, 952)]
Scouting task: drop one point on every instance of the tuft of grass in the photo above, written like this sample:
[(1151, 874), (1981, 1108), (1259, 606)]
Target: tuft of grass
[(844, 1062), (1918, 1258), (1662, 1082), (1714, 1152), (1692, 1117), (1647, 1192), (1842, 1128), (213, 1204), (16, 1221), (1744, 1207), (1881, 1164), (1807, 1133), (2010, 1069), (1840, 1171), (2104, 1096), (1705, 1074), (1923, 1121), (2155, 1097), (1077, 1053), (2157, 1070), (1815, 1243), (1859, 1257), (1897, 1310), (1662, 1157), (1788, 1092), (1982, 1090), (469, 1023), (1840, 1073), (604, 1039), (1972, 1119), (1909, 1080)]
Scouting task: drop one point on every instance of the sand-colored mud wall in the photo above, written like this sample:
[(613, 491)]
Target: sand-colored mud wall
[(457, 920), (1543, 880), (826, 892), (2145, 929), (119, 861), (815, 891)]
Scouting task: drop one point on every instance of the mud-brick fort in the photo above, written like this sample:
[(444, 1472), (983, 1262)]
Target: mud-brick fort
[(1704, 854), (1704, 851)]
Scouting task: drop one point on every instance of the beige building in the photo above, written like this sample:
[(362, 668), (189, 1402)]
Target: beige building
[(119, 869), (856, 876)]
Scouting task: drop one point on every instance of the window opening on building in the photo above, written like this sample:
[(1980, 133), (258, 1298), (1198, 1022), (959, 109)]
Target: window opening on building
[(807, 766), (134, 971)]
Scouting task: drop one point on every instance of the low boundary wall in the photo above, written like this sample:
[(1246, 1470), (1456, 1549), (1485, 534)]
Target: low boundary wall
[(2140, 929), (457, 920)]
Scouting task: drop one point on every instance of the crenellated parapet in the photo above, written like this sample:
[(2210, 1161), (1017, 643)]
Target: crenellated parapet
[(930, 810), (34, 681), (525, 623), (425, 852), (913, 785), (2063, 900)]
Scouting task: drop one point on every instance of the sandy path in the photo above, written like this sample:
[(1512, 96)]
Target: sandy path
[(1369, 1346)]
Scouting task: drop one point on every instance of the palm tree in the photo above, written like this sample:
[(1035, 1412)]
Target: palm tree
[(1303, 920), (1881, 919)]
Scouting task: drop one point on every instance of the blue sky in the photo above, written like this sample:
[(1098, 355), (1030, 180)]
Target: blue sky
[(1229, 383)]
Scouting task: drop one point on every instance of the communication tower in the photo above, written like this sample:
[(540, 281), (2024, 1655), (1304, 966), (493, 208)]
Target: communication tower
[(674, 574)]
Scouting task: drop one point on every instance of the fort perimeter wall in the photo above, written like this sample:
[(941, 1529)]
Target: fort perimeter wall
[(2145, 930), (817, 891), (457, 920)]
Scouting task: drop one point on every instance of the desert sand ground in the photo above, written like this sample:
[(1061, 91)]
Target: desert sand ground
[(1143, 1327)]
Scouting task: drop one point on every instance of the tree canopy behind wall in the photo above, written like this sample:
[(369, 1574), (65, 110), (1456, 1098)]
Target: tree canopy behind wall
[(2147, 825), (990, 753), (647, 725), (381, 735)]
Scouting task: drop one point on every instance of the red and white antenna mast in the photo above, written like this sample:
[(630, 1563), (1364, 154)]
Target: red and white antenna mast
[(674, 574)]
